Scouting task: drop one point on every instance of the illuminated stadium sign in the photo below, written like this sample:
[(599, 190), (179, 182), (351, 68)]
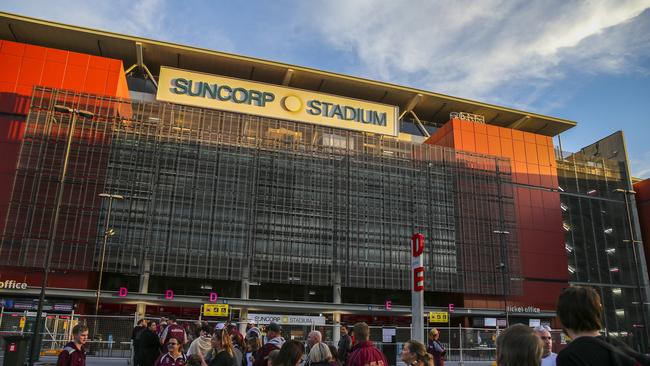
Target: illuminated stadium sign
[(242, 96)]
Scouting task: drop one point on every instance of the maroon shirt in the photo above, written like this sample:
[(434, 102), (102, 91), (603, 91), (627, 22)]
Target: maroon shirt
[(366, 354), (72, 356), (174, 330), (168, 360)]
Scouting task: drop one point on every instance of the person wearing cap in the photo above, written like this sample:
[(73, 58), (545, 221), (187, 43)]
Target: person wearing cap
[(275, 341)]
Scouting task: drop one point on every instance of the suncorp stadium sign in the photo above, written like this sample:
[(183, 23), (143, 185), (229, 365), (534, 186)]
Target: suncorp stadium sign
[(235, 95)]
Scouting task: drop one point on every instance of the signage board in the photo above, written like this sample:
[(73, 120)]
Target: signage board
[(215, 309), (274, 101), (286, 319), (12, 285), (438, 317)]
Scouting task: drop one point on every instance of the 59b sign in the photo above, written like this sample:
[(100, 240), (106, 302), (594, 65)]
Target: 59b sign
[(215, 309), (438, 317)]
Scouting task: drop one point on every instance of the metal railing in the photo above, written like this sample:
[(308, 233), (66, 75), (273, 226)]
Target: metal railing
[(113, 336)]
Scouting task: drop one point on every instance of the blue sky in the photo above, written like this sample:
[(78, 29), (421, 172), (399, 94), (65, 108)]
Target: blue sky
[(588, 61)]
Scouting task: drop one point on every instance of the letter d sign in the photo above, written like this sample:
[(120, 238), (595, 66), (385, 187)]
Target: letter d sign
[(417, 245)]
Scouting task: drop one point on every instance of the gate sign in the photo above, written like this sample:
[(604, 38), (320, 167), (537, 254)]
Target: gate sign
[(215, 309), (438, 317), (417, 287), (417, 248)]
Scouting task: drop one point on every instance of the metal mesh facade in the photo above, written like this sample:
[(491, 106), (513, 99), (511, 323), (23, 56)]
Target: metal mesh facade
[(598, 235), (210, 194)]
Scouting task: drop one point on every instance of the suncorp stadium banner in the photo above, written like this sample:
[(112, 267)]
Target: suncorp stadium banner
[(236, 95)]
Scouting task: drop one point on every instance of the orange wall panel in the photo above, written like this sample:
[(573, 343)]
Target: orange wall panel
[(24, 66)]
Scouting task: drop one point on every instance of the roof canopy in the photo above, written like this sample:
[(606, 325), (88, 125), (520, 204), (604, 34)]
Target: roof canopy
[(431, 107)]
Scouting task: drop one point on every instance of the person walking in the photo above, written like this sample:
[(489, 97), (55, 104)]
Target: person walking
[(135, 340), (435, 348), (364, 353), (74, 353), (174, 355), (345, 345), (415, 353), (149, 345)]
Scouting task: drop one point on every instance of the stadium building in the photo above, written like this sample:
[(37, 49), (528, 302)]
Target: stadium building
[(280, 189)]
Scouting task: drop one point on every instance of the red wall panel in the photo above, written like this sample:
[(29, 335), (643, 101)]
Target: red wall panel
[(543, 257)]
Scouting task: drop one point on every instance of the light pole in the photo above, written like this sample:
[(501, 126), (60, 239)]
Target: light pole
[(502, 232), (34, 354), (107, 232)]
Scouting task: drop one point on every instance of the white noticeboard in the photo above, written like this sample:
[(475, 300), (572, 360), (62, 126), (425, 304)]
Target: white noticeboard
[(387, 334), (534, 322), (286, 319)]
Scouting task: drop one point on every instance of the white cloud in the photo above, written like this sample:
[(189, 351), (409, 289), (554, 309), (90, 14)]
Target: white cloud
[(641, 166), (474, 48), (154, 19)]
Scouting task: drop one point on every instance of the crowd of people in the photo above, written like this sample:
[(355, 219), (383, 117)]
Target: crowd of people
[(579, 310)]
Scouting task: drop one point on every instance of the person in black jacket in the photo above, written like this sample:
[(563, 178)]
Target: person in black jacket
[(149, 349), (580, 311), (135, 340), (345, 345)]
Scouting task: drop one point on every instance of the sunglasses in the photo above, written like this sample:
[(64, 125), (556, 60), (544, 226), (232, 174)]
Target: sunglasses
[(171, 344)]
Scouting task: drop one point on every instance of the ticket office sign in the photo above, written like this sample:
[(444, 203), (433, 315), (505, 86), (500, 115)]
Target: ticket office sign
[(243, 96)]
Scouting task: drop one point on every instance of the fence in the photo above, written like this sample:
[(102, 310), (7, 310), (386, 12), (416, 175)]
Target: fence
[(110, 336)]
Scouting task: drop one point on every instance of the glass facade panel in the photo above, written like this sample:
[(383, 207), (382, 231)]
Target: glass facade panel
[(217, 195), (600, 235)]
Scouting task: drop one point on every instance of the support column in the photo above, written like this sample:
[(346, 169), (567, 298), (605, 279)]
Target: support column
[(143, 288), (244, 295), (336, 332)]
